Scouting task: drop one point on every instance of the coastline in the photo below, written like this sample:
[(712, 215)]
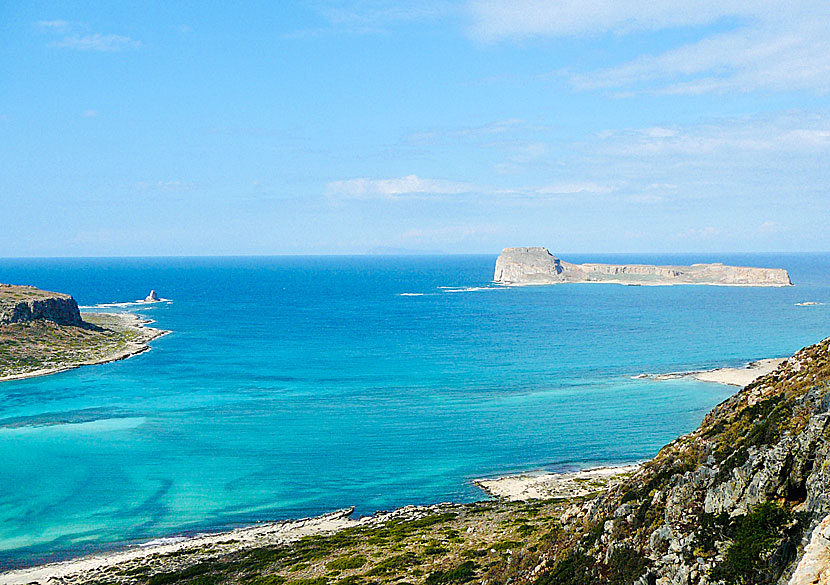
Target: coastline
[(739, 377), (119, 321), (88, 567), (543, 486), (166, 553)]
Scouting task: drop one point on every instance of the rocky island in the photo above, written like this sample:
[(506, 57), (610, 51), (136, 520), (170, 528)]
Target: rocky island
[(522, 266), (744, 499), (44, 332)]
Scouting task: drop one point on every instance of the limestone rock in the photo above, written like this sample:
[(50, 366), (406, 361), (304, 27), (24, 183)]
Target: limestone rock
[(19, 304), (537, 265)]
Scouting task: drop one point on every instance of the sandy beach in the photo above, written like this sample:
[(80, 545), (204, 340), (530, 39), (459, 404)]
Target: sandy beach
[(731, 376), (540, 486)]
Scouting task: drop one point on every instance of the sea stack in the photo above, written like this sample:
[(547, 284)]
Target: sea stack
[(536, 265), (152, 297)]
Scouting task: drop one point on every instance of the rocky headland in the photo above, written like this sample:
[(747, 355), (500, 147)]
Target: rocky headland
[(44, 332), (744, 499), (522, 266)]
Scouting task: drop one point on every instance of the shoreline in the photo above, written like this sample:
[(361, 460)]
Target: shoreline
[(541, 485), (210, 545), (739, 377), (126, 321)]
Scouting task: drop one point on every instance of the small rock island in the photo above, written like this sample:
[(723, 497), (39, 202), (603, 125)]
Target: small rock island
[(536, 265), (43, 332)]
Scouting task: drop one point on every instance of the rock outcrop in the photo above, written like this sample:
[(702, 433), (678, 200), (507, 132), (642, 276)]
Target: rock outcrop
[(19, 304), (152, 297), (743, 499), (538, 266)]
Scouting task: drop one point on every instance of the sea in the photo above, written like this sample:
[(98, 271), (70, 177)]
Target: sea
[(295, 386)]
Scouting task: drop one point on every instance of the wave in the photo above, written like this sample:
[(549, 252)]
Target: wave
[(411, 295), (126, 304), (451, 289)]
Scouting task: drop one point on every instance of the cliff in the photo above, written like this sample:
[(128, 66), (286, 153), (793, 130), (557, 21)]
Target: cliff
[(538, 266), (19, 304)]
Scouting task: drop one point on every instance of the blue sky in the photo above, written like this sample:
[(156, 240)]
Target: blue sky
[(349, 126)]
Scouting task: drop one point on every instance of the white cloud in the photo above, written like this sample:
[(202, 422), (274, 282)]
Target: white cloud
[(90, 113), (771, 45), (789, 132), (497, 19), (573, 188), (98, 42), (364, 188)]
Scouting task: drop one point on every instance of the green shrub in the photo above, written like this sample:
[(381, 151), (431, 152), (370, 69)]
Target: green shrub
[(345, 563), (461, 574)]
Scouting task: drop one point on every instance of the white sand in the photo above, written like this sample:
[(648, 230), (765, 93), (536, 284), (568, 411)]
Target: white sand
[(740, 376), (731, 376), (540, 486)]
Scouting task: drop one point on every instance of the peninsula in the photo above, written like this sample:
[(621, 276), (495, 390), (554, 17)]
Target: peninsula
[(44, 332), (522, 266)]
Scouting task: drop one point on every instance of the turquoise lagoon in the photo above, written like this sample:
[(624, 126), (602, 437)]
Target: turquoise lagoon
[(293, 386)]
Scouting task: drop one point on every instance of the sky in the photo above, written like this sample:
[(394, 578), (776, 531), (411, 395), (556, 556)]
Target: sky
[(360, 126)]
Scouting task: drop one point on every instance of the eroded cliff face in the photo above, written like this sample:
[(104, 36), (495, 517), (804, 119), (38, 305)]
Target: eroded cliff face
[(19, 304), (736, 501), (537, 265)]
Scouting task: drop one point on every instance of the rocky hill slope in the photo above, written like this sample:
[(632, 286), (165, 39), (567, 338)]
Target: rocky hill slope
[(736, 501), (539, 266)]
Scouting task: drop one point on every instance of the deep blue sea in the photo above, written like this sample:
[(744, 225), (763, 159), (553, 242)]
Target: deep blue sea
[(293, 386)]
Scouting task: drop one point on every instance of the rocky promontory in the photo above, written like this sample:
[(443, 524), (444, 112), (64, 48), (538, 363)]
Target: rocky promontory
[(44, 332), (536, 265), (20, 303)]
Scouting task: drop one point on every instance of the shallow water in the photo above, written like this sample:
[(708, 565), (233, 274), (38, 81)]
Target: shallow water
[(292, 386)]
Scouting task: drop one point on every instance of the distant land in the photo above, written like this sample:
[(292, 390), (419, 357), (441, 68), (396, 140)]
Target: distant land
[(43, 332), (536, 265)]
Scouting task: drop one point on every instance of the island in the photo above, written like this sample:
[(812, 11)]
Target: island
[(536, 265), (43, 332)]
